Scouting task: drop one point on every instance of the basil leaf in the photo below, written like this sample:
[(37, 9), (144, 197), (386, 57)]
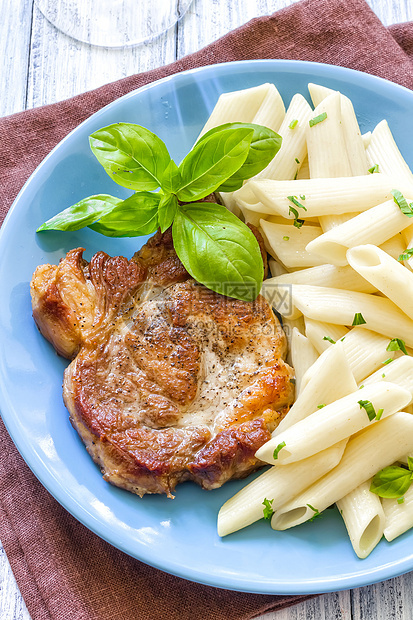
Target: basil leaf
[(82, 213), (171, 178), (133, 156), (212, 161), (133, 217), (391, 482), (166, 211), (218, 250), (265, 144)]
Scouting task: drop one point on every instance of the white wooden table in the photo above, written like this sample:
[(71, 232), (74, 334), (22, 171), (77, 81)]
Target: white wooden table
[(40, 65)]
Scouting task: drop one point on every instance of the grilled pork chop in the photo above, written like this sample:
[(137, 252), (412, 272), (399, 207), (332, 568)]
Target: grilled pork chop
[(169, 380)]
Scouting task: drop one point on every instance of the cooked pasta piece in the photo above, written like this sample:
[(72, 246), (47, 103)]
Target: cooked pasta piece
[(278, 485), (239, 106), (377, 446), (385, 273), (324, 335), (288, 243), (352, 135), (326, 275), (363, 516), (334, 422), (344, 307), (384, 152), (374, 226), (324, 196), (398, 516), (303, 355), (366, 352), (332, 380), (399, 371)]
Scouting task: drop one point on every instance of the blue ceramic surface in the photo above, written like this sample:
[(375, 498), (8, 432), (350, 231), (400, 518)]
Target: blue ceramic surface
[(178, 536)]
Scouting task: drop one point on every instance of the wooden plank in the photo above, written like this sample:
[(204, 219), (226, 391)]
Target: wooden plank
[(61, 67), (382, 601), (14, 54), (334, 606)]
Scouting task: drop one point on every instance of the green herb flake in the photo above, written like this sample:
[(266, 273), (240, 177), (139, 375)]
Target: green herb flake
[(285, 238), (277, 450), (295, 201), (400, 500), (387, 361), (408, 253), (302, 196), (316, 514), (320, 406), (329, 339), (401, 202), (374, 169), (267, 510), (368, 407), (397, 344), (297, 160), (298, 223), (293, 124), (391, 482), (379, 414), (317, 119), (358, 319), (383, 375)]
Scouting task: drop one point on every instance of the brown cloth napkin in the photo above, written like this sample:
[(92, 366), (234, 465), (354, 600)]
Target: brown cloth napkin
[(63, 570)]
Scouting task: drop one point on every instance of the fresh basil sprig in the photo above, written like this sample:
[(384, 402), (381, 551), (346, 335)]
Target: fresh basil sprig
[(215, 247), (392, 481)]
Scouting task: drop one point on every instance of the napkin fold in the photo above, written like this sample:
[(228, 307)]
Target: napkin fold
[(63, 570)]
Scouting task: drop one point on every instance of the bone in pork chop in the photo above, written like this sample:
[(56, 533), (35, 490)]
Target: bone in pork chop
[(169, 380)]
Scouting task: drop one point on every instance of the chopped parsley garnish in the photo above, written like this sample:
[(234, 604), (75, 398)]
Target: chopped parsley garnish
[(329, 339), (406, 255), (393, 481), (401, 202), (383, 375), (358, 319), (302, 196), (400, 500), (267, 510), (374, 168), (298, 223), (369, 408), (379, 414), (297, 160), (316, 514), (397, 344), (320, 406), (387, 361), (294, 200), (277, 450), (293, 124), (285, 238), (317, 119)]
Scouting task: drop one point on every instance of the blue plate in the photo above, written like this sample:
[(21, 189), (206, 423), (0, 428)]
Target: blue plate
[(178, 536)]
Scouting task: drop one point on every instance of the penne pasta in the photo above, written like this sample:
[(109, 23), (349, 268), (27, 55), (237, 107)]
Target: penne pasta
[(288, 243), (374, 226), (366, 453), (326, 275), (341, 307), (398, 517), (366, 352), (334, 422), (324, 196), (303, 355), (384, 152), (399, 371), (324, 335), (364, 519), (278, 484), (385, 273), (332, 380), (238, 106)]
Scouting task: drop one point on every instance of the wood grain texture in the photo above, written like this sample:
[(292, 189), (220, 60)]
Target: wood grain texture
[(41, 65)]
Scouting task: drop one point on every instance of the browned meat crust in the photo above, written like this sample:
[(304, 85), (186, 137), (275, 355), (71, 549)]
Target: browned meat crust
[(169, 380)]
